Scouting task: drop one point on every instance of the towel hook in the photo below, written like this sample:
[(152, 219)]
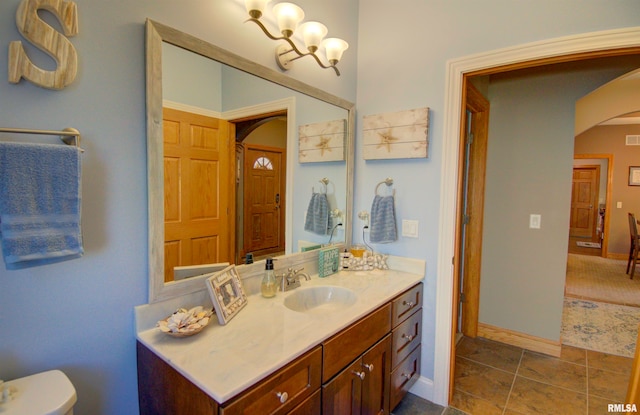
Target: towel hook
[(388, 181)]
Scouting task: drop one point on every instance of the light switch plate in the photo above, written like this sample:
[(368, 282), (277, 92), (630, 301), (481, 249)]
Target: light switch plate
[(534, 221), (410, 228)]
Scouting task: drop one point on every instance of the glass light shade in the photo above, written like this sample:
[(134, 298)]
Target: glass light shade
[(288, 16), (255, 7), (334, 48), (313, 33)]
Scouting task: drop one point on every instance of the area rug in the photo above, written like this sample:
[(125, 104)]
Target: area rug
[(600, 279), (603, 327)]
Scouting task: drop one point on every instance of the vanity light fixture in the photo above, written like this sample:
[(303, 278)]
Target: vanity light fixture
[(288, 17)]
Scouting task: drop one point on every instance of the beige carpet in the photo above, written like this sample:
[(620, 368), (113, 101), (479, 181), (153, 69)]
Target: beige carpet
[(599, 279)]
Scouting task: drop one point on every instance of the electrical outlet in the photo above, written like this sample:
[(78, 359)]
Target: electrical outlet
[(363, 215)]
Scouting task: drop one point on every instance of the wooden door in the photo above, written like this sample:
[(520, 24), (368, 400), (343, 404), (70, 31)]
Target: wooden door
[(198, 194), (343, 394), (264, 203), (376, 363), (471, 223), (584, 202)]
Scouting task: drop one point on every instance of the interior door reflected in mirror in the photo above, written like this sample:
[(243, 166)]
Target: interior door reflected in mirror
[(224, 176)]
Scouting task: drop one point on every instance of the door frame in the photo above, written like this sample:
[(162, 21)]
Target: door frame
[(607, 202), (563, 49), (479, 106)]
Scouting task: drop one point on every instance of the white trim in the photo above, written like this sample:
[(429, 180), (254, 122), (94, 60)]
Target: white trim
[(423, 388), (288, 104), (190, 108), (456, 68)]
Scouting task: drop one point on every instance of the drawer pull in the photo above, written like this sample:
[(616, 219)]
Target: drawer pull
[(407, 375), (409, 304), (282, 396), (369, 366), (407, 336), (360, 375)]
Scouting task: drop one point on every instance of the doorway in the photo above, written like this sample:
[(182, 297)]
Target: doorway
[(263, 193), (554, 51), (588, 208), (261, 185)]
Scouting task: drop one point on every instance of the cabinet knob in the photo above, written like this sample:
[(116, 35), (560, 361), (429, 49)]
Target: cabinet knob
[(407, 375), (409, 304), (407, 336), (369, 366), (282, 396), (361, 375)]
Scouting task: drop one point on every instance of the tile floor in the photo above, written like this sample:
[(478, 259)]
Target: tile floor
[(495, 378)]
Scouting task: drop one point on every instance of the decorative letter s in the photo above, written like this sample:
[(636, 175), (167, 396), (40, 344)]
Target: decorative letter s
[(48, 40)]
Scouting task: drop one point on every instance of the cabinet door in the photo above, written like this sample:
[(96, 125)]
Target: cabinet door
[(376, 363), (343, 394)]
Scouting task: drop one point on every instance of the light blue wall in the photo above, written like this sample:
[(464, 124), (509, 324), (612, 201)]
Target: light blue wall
[(402, 52), (78, 316)]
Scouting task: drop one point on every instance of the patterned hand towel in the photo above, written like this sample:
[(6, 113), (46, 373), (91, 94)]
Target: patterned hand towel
[(318, 219), (39, 204), (383, 220)]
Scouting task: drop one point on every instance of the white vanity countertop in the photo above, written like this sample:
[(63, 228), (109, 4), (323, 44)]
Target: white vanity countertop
[(265, 335)]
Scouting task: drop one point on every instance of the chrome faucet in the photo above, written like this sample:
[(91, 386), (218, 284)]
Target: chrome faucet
[(291, 279)]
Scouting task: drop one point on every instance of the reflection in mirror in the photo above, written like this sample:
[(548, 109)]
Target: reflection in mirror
[(223, 161)]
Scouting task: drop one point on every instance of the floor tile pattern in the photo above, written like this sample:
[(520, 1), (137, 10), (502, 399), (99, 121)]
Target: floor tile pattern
[(494, 378)]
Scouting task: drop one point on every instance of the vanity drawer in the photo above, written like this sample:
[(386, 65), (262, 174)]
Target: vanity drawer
[(406, 337), (298, 380), (350, 343), (311, 406), (404, 376), (406, 304)]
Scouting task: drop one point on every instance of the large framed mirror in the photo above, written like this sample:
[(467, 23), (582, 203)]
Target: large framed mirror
[(246, 177)]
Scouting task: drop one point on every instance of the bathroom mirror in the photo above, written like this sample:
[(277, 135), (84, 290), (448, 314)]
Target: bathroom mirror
[(187, 74)]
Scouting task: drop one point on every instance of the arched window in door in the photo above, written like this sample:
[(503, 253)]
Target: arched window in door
[(262, 163)]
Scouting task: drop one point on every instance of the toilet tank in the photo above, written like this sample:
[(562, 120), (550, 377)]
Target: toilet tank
[(46, 393)]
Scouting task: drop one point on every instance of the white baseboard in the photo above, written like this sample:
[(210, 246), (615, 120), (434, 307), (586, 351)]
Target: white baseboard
[(423, 388)]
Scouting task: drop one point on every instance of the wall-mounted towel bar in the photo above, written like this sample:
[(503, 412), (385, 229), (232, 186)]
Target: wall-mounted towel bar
[(69, 136)]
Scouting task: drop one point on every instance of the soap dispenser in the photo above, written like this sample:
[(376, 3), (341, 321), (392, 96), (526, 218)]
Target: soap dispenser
[(269, 286)]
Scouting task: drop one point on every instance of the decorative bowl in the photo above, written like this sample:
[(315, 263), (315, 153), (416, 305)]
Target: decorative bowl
[(185, 323)]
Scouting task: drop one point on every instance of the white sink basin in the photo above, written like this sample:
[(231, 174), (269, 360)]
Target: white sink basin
[(324, 299)]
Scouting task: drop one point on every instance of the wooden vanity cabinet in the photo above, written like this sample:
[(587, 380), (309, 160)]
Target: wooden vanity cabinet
[(365, 369), (406, 341), (162, 390)]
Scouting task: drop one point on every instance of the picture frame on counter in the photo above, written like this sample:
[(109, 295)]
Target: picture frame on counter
[(227, 293)]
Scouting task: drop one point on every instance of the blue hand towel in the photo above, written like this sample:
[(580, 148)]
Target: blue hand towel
[(383, 220), (39, 204), (318, 219)]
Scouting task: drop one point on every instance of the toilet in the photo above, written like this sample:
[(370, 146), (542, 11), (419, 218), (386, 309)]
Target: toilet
[(46, 393)]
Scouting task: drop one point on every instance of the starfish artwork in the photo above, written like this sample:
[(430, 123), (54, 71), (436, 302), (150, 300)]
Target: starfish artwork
[(386, 139), (323, 145)]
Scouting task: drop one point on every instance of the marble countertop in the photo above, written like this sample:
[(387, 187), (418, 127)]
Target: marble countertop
[(265, 335)]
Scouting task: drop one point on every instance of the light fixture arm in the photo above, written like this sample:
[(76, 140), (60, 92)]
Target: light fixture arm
[(294, 48)]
